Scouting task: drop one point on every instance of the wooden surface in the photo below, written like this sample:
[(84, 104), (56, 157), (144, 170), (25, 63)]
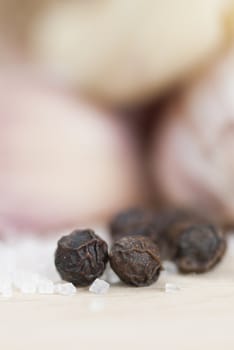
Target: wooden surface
[(199, 316)]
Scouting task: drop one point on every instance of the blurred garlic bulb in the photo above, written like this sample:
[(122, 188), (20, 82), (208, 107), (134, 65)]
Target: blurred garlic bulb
[(62, 161), (122, 51), (193, 150)]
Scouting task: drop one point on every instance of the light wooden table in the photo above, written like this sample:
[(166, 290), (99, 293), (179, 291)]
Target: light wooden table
[(199, 316)]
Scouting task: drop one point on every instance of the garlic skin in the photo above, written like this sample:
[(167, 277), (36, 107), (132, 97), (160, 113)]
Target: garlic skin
[(193, 148), (63, 162), (122, 51)]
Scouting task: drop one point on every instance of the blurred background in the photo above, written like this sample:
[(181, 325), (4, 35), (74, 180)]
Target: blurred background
[(110, 104)]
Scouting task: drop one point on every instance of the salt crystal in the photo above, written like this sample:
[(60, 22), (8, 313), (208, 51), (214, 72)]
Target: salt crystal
[(99, 287), (170, 267), (46, 287), (27, 266), (7, 293), (171, 287), (111, 276), (24, 279), (5, 284), (6, 289), (230, 245), (28, 288), (67, 289)]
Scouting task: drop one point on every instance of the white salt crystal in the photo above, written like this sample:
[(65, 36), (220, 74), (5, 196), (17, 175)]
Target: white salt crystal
[(67, 289), (5, 283), (6, 289), (27, 264), (230, 245), (111, 276), (171, 287), (46, 287), (28, 288), (25, 280), (170, 267), (99, 287), (7, 293)]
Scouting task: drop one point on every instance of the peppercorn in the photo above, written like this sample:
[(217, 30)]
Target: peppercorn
[(134, 221), (81, 257), (136, 260), (149, 223), (167, 224), (182, 236), (197, 247), (194, 244)]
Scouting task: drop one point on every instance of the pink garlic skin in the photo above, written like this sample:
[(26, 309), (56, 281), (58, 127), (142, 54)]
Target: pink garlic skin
[(193, 148), (62, 162)]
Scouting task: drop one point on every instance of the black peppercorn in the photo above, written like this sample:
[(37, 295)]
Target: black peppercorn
[(167, 225), (197, 247), (135, 222), (182, 236), (136, 260), (81, 257), (187, 239)]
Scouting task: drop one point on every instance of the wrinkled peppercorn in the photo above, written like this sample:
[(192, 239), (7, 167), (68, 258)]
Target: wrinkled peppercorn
[(81, 257), (164, 219), (182, 236), (196, 247), (135, 222), (187, 239), (167, 224), (136, 260), (149, 223)]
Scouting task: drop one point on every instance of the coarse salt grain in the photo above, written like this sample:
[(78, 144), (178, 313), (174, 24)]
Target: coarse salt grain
[(28, 288), (66, 289), (27, 265), (7, 293), (230, 245), (171, 287), (99, 286), (46, 287), (112, 278), (6, 289), (170, 267)]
